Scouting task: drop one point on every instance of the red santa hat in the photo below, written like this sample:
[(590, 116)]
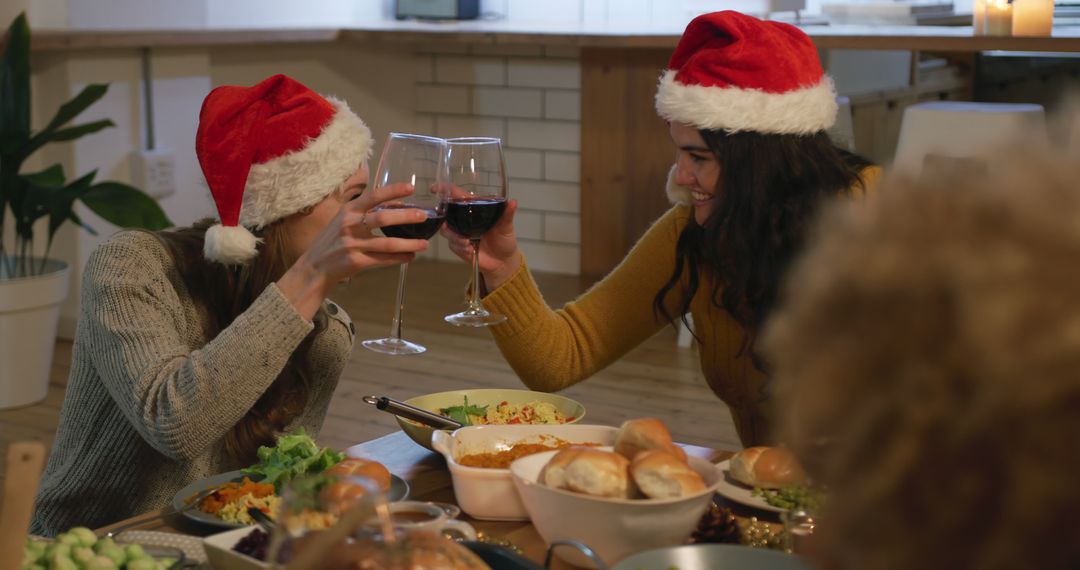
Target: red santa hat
[(271, 150), (734, 72)]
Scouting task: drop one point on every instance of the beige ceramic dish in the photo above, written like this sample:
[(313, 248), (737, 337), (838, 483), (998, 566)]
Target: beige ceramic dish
[(481, 397), (489, 494), (613, 528)]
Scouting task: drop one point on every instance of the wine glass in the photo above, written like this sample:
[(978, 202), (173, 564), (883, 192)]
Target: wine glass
[(319, 514), (420, 161), (477, 179)]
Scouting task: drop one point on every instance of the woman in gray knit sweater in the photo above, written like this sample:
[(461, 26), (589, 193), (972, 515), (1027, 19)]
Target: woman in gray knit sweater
[(197, 345)]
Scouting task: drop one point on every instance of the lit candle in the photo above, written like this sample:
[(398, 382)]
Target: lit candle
[(978, 17), (1032, 17), (999, 15)]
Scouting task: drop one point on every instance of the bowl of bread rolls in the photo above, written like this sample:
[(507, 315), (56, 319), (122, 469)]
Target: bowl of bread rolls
[(479, 460), (643, 492)]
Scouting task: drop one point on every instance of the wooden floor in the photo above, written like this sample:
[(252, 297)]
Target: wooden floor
[(657, 379)]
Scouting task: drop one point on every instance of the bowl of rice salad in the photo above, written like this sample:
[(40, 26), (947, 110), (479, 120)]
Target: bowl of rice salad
[(493, 406)]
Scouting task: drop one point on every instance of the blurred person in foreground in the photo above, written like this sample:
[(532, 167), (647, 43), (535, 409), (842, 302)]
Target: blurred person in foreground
[(748, 107), (197, 345), (927, 356)]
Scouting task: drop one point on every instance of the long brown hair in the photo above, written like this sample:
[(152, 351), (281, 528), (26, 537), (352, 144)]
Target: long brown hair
[(226, 291), (767, 194)]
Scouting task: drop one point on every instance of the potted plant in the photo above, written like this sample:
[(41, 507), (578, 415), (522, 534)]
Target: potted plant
[(33, 287)]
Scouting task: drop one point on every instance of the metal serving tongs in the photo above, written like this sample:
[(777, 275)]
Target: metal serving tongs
[(410, 412)]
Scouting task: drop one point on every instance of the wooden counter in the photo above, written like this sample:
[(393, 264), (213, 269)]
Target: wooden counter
[(925, 38)]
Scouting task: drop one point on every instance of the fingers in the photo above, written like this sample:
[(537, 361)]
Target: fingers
[(461, 247), (362, 223), (505, 224), (378, 195)]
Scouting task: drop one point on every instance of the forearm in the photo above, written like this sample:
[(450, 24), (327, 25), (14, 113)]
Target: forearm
[(182, 400), (495, 278), (304, 287), (553, 349)]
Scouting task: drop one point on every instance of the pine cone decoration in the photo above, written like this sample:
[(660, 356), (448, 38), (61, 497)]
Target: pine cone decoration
[(717, 525)]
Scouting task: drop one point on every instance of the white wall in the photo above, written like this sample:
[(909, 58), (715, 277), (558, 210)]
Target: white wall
[(530, 97), (42, 13), (136, 14)]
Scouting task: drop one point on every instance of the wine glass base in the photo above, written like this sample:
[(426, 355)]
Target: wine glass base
[(475, 318), (394, 346)]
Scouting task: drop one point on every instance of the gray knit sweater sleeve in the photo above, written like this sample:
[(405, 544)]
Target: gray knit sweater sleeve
[(136, 326)]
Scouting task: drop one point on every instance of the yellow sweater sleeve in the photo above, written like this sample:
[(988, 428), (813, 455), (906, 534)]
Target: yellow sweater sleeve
[(552, 349)]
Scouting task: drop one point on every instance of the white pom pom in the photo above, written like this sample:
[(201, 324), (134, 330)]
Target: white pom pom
[(231, 245), (678, 194)]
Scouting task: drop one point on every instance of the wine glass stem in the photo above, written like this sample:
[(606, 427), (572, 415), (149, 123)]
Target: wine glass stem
[(399, 306), (474, 294)]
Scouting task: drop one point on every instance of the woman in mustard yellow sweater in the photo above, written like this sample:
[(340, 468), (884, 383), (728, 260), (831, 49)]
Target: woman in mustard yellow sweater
[(748, 107)]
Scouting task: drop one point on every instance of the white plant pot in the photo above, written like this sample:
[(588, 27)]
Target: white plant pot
[(29, 313)]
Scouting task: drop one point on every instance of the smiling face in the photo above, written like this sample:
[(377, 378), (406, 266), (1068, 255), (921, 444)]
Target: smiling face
[(303, 227), (696, 168)]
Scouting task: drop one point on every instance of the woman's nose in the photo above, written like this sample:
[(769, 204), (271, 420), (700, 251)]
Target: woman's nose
[(683, 176)]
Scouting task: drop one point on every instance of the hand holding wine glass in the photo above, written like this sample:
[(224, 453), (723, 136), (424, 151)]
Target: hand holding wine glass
[(500, 257), (477, 180), (421, 162)]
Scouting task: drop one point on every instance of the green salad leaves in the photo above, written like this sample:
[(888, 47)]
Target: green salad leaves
[(293, 455), (461, 414)]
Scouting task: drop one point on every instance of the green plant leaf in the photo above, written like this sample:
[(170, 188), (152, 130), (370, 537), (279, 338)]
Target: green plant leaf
[(125, 206), (52, 176), (78, 221), (79, 103), (15, 80), (61, 201), (70, 133)]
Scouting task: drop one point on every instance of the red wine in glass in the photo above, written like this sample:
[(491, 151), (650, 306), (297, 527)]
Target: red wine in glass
[(420, 161), (473, 216), (477, 179), (421, 230)]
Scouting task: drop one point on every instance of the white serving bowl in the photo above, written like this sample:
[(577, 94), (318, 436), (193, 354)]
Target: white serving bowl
[(489, 494), (421, 434), (220, 553), (613, 528)]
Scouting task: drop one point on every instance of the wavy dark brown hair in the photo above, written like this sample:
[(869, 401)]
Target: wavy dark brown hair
[(925, 357), (768, 193), (226, 291)]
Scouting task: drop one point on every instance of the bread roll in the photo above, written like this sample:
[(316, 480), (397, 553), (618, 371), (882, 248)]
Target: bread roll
[(661, 475), (591, 472), (644, 434), (600, 474), (553, 473), (767, 467), (360, 467)]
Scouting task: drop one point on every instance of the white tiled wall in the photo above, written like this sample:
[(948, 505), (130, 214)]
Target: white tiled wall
[(529, 96)]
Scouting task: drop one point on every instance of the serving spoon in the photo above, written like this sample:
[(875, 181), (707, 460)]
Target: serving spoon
[(411, 412)]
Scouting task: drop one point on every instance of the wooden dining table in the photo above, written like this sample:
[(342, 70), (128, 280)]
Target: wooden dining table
[(429, 480)]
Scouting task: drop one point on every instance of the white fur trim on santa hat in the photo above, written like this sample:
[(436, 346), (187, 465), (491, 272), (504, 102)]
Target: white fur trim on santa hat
[(803, 111), (676, 193), (231, 245), (293, 181)]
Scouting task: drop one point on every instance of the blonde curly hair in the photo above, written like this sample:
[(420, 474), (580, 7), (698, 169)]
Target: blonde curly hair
[(927, 365)]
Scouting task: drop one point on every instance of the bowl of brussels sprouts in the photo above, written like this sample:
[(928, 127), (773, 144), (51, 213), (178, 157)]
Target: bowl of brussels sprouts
[(79, 548)]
